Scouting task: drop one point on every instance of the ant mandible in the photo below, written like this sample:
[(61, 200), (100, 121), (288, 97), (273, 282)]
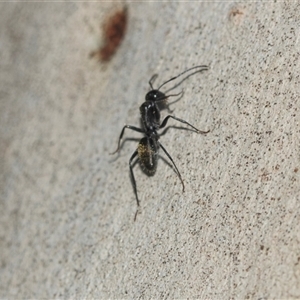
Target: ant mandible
[(149, 145)]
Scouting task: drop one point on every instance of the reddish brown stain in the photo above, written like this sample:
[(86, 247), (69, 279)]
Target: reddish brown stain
[(236, 15), (114, 30)]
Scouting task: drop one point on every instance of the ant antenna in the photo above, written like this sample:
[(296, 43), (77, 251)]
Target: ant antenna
[(204, 67), (152, 80)]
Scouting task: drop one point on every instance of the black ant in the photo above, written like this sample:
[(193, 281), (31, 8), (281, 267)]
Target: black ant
[(149, 145)]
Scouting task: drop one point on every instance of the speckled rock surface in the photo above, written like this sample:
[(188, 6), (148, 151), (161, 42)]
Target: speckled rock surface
[(67, 206)]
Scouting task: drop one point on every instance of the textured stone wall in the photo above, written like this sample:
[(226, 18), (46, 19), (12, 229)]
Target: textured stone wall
[(67, 206)]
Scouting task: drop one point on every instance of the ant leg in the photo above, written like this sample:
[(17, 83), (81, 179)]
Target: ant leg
[(171, 159), (164, 123), (121, 135), (132, 176)]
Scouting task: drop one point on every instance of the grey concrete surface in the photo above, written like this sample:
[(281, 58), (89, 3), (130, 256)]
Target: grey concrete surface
[(67, 206)]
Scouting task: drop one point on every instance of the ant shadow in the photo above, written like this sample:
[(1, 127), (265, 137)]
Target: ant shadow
[(166, 105)]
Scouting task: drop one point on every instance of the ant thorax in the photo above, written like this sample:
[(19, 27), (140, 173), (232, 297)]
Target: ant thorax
[(150, 116)]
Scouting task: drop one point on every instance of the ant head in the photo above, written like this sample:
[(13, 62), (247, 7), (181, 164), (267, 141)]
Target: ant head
[(155, 95)]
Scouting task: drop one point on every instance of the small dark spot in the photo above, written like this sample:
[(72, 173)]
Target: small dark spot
[(262, 247), (113, 30), (296, 170), (234, 12)]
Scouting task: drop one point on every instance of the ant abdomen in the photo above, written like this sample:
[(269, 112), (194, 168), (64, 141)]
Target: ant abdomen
[(147, 153)]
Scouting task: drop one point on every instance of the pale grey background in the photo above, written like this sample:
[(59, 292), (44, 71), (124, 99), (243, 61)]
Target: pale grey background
[(67, 206)]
